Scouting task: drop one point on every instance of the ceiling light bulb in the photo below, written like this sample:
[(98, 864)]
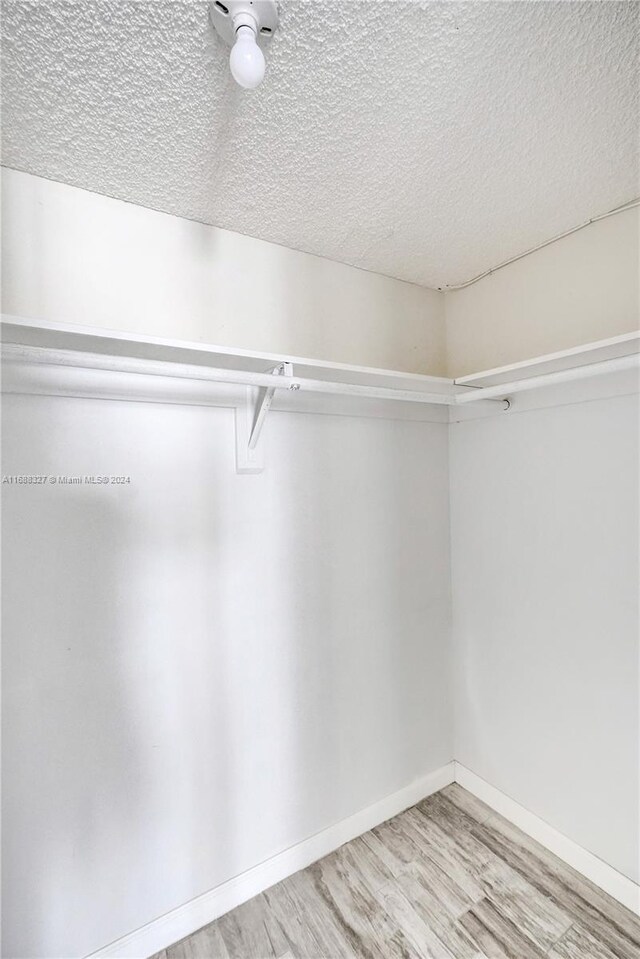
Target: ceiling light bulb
[(247, 59), (241, 24)]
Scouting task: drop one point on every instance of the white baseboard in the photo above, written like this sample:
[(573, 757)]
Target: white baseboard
[(599, 872), (186, 919), (193, 915)]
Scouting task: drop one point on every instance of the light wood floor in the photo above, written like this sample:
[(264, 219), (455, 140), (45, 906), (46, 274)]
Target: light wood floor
[(447, 879)]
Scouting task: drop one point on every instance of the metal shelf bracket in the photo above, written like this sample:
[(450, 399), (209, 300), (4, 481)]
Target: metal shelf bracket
[(250, 420)]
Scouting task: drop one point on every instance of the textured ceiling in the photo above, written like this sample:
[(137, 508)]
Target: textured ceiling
[(428, 141)]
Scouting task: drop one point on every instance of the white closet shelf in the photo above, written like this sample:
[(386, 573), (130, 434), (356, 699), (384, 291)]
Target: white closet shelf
[(95, 342), (32, 341), (589, 354)]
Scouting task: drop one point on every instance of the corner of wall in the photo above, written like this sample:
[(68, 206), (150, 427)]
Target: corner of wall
[(580, 289)]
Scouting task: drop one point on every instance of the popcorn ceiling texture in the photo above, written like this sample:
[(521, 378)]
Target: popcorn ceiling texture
[(427, 141)]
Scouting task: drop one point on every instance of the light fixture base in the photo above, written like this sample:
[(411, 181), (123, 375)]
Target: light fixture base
[(224, 12)]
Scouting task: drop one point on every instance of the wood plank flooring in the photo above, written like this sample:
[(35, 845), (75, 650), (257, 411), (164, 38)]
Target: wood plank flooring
[(447, 879)]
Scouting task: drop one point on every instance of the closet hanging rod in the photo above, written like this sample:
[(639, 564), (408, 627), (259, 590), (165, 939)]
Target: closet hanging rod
[(502, 390), (122, 364), (20, 353)]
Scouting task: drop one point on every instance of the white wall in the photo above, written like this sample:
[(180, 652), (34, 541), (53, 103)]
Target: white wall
[(545, 548), (545, 519), (76, 257), (200, 668), (580, 289)]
